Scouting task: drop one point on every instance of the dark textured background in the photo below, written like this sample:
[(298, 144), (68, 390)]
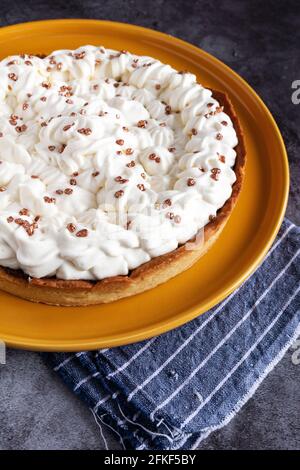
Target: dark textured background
[(261, 41)]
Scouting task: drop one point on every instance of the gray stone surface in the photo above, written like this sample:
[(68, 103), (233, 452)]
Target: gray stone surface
[(260, 40), (38, 412)]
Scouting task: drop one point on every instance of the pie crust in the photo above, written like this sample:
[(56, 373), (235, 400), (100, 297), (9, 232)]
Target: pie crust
[(158, 270)]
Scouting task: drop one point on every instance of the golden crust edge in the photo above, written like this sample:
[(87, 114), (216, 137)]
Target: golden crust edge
[(158, 270)]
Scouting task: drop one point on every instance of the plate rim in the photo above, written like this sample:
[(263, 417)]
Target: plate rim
[(188, 314)]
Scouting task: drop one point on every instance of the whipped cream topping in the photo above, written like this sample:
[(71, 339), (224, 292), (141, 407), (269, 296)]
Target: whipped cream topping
[(107, 159)]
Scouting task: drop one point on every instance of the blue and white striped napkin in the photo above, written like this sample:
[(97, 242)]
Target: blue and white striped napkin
[(172, 391)]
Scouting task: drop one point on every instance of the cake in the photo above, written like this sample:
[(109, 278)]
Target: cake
[(117, 172)]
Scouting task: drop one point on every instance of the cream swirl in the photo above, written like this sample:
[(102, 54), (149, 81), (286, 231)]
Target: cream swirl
[(107, 159)]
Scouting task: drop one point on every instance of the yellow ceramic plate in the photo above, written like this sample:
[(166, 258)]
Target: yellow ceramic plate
[(239, 250)]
